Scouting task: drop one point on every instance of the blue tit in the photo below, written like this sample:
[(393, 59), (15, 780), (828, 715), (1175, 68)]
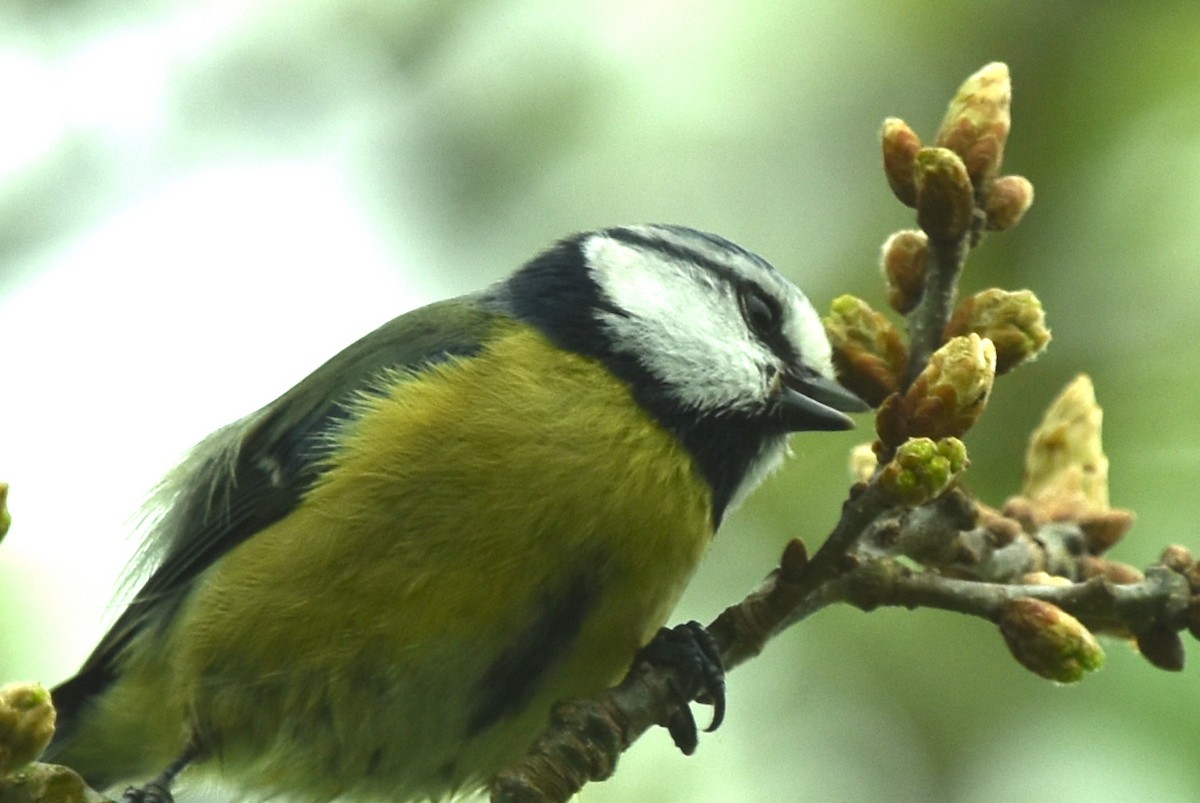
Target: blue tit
[(378, 584)]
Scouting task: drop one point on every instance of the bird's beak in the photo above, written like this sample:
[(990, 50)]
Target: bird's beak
[(813, 402)]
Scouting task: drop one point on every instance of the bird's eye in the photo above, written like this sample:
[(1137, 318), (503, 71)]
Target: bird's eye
[(761, 312)]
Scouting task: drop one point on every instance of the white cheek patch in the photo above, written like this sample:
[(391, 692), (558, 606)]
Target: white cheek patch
[(804, 326), (682, 325)]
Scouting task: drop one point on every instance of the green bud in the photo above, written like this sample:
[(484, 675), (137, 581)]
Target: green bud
[(945, 198), (1048, 641), (1013, 321), (868, 352), (950, 394), (922, 469), (26, 724)]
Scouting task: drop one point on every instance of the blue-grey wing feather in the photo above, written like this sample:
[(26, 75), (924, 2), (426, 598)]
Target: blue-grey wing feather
[(253, 472)]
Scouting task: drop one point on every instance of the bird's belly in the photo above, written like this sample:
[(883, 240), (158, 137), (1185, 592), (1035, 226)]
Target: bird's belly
[(405, 631)]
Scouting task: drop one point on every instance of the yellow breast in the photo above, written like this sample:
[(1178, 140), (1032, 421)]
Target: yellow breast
[(512, 512)]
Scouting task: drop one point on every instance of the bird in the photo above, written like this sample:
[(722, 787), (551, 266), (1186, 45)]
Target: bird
[(377, 585)]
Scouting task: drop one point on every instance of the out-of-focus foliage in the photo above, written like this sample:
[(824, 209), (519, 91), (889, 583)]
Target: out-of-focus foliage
[(190, 189)]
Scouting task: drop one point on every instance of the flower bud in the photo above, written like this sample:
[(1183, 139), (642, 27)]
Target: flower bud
[(945, 199), (1013, 321), (26, 724), (868, 352), (949, 395), (900, 146), (1048, 641), (904, 261), (923, 469), (1065, 464), (1008, 199), (977, 122)]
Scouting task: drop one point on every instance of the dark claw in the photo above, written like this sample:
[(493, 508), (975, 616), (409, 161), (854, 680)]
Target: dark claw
[(692, 652), (159, 790), (681, 724)]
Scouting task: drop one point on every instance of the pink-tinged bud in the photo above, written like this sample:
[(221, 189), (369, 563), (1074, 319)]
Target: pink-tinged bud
[(1013, 321), (1008, 199), (900, 146), (26, 724), (977, 122), (904, 260), (949, 395), (1048, 641), (868, 352), (945, 199), (1103, 529)]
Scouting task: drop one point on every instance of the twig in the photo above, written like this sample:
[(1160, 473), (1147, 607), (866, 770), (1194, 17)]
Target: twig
[(928, 320), (1160, 600)]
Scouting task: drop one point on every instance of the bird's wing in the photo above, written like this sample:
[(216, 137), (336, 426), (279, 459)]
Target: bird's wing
[(254, 472)]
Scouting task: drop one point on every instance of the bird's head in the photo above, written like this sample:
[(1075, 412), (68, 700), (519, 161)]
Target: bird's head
[(713, 341)]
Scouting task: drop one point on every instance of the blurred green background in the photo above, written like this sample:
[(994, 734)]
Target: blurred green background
[(200, 201)]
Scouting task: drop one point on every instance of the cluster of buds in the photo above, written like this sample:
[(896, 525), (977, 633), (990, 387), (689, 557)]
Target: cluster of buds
[(1050, 642), (871, 357), (922, 469), (958, 177), (948, 184), (929, 396), (1066, 484)]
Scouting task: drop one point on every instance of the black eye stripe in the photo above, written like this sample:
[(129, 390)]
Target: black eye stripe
[(764, 315), (769, 327), (761, 311)]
